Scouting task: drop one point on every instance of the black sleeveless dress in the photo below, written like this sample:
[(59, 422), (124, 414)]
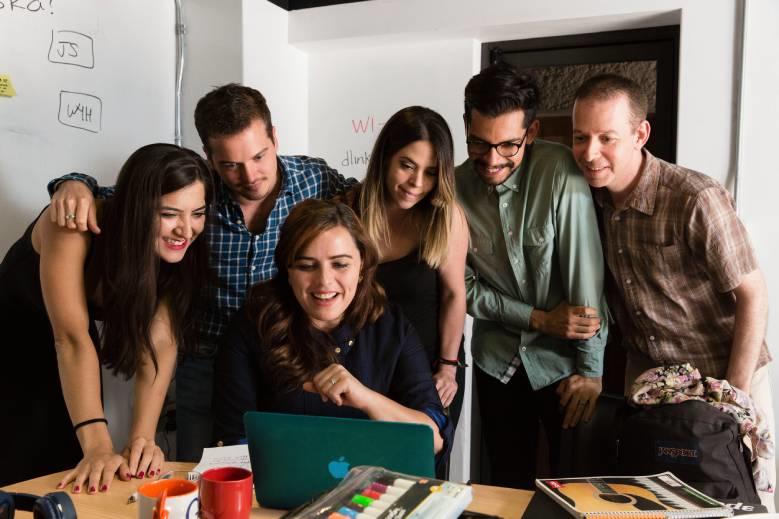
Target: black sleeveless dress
[(411, 284), (36, 434)]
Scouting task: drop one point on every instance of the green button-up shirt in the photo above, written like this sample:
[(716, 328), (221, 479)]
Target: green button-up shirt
[(534, 243)]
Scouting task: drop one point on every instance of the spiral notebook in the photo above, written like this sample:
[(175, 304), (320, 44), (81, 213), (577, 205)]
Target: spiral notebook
[(656, 496)]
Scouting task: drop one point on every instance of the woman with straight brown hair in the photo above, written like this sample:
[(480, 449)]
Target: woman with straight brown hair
[(319, 339), (407, 205)]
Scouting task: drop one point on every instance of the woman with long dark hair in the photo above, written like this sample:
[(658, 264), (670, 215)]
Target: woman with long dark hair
[(407, 204), (319, 339), (141, 278)]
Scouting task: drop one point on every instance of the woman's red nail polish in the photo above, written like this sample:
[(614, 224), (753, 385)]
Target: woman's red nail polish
[(140, 474), (91, 489), (104, 488), (129, 476), (76, 488)]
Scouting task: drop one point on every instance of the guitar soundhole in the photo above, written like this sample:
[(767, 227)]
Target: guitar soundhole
[(619, 499)]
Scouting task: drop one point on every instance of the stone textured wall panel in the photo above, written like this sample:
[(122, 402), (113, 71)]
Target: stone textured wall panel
[(558, 83)]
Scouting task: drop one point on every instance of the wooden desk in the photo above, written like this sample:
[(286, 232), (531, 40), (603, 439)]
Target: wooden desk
[(503, 502)]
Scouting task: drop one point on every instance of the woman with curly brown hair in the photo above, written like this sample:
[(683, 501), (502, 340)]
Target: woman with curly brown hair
[(319, 339)]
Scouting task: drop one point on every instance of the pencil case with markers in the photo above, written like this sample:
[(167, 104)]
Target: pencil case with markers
[(377, 493)]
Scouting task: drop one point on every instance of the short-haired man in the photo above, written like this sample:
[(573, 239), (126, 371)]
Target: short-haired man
[(687, 286), (534, 277), (257, 190)]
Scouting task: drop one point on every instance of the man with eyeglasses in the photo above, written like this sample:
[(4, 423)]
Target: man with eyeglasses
[(534, 277)]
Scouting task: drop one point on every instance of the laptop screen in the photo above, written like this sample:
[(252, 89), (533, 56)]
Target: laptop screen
[(296, 457)]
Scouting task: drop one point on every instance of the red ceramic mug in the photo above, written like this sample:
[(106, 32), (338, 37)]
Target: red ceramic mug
[(226, 493)]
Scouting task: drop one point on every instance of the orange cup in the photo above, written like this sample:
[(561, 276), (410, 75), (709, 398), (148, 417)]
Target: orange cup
[(168, 499), (226, 493)]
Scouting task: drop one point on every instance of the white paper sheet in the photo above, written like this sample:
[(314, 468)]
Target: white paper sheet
[(232, 456)]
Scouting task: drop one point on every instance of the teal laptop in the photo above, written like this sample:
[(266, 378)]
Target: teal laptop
[(296, 457)]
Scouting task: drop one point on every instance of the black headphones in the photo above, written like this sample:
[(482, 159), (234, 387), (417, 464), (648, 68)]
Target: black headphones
[(56, 505)]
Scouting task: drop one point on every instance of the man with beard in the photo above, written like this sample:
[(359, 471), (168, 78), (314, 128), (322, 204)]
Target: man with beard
[(534, 277)]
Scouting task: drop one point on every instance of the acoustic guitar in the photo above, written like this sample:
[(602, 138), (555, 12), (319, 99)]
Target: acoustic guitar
[(597, 496)]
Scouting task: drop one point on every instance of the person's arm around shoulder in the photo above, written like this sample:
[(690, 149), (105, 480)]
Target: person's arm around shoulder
[(62, 256), (452, 304), (73, 204), (334, 182), (72, 200), (575, 215), (151, 386), (582, 268)]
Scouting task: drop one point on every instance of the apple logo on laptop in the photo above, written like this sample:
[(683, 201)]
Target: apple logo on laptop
[(338, 468)]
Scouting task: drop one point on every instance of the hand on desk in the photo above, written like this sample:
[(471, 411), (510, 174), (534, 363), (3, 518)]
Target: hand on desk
[(144, 457), (96, 471), (141, 457)]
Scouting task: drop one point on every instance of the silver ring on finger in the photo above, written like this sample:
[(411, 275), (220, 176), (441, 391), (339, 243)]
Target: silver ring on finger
[(333, 380), (70, 216)]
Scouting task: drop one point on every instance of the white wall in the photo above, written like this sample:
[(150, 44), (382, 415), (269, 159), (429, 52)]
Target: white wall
[(213, 56), (758, 173), (278, 70), (354, 91), (760, 129)]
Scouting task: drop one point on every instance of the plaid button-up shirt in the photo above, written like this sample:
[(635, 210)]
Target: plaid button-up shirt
[(240, 258), (676, 251)]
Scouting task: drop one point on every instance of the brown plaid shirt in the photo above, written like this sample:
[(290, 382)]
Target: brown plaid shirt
[(675, 253)]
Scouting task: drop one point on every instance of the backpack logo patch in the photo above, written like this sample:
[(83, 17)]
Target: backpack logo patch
[(674, 452)]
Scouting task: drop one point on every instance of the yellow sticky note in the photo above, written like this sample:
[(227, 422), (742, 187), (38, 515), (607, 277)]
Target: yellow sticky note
[(6, 86)]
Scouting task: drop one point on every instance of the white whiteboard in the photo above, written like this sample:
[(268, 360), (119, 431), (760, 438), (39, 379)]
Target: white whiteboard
[(94, 80)]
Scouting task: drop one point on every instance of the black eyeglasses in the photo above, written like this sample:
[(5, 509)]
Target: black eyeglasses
[(505, 149)]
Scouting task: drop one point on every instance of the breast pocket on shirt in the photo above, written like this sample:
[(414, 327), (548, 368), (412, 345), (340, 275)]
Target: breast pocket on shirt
[(664, 260), (538, 246), (482, 245)]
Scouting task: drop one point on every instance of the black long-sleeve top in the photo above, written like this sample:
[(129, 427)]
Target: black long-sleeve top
[(386, 356)]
